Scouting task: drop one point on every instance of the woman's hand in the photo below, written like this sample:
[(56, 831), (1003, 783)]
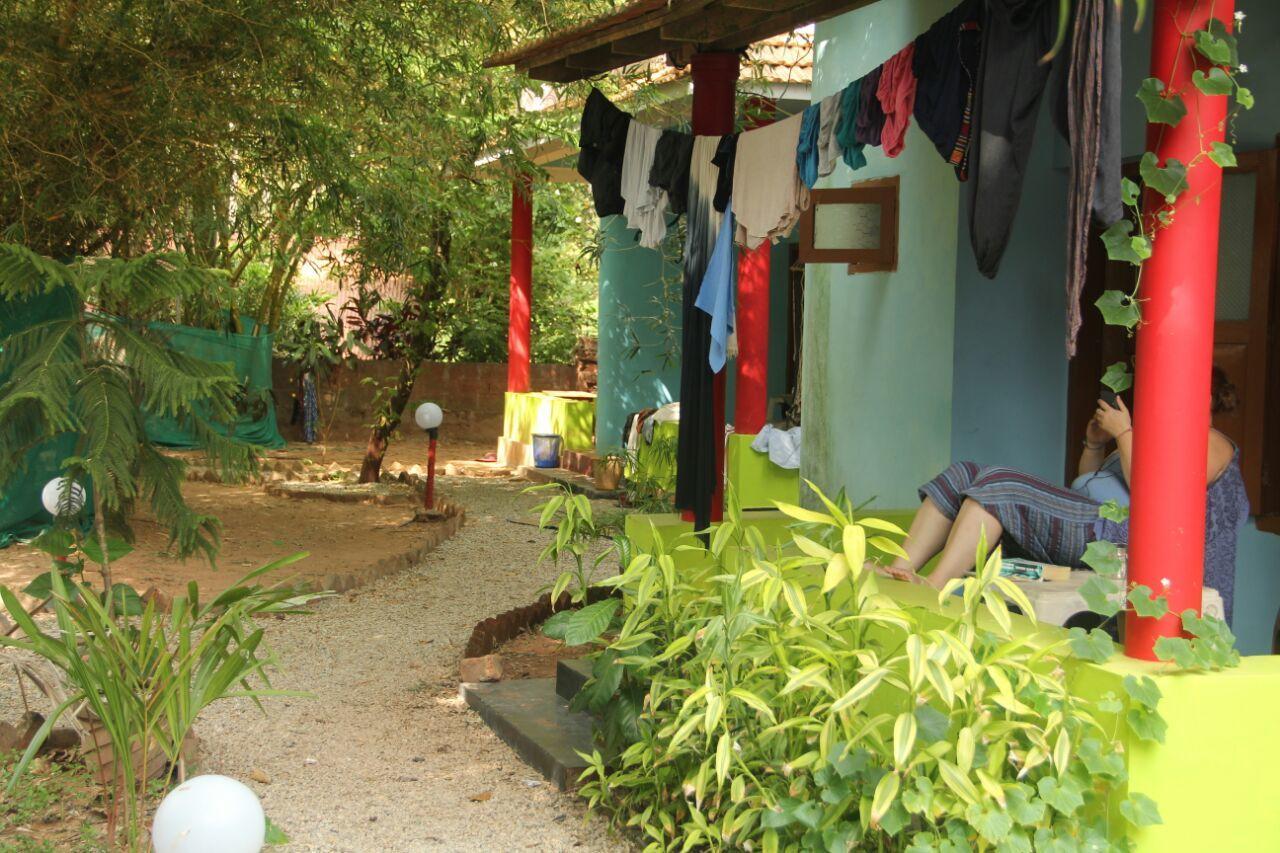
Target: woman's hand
[(1115, 421)]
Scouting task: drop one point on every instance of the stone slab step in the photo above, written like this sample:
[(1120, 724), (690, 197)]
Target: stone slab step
[(536, 722), (571, 676), (577, 483)]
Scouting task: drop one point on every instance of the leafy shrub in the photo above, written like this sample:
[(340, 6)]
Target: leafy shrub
[(775, 698)]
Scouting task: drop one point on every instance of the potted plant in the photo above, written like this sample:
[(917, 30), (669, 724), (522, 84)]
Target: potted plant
[(608, 470)]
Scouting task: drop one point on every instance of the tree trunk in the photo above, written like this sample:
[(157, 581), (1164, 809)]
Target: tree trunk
[(387, 422)]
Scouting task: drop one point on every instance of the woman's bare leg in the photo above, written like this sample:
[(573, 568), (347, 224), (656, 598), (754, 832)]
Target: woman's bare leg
[(962, 543), (927, 536)]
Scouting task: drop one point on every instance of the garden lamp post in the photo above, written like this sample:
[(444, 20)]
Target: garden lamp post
[(428, 417)]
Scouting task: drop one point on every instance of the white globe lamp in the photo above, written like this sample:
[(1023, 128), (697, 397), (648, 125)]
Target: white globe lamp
[(209, 814), (428, 416), (58, 500)]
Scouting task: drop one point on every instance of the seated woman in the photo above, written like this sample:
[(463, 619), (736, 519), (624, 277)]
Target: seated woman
[(1040, 521)]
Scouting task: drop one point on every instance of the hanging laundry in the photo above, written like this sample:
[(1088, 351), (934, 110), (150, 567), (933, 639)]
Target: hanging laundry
[(946, 69), (644, 205), (850, 101), (719, 286), (1011, 81), (807, 145), (768, 195), (829, 152), (670, 170), (1087, 114), (870, 121), (696, 451), (602, 140), (897, 94), (726, 155)]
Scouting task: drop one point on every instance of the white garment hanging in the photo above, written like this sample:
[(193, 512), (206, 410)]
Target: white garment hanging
[(782, 445), (768, 195), (829, 151), (643, 206)]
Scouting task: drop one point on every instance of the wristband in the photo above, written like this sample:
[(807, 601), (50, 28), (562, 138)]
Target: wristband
[(1126, 432)]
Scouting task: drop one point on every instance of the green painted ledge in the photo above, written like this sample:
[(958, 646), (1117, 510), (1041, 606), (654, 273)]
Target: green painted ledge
[(1212, 778), (754, 479), (526, 413)]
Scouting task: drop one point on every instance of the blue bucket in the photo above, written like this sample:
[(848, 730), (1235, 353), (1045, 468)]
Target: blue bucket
[(546, 450)]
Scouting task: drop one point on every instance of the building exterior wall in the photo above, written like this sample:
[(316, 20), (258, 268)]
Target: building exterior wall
[(878, 347)]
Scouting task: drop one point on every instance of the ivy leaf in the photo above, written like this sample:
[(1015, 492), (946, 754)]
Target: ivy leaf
[(992, 823), (918, 798), (1113, 511), (1096, 645), (1123, 246), (1146, 604), (1117, 307), (932, 724), (1108, 764), (1129, 192), (1169, 180), (1178, 650), (274, 834), (1117, 377), (1140, 810), (1244, 97), (1160, 109), (1216, 82), (1021, 807), (1222, 154), (894, 820), (1065, 795), (1216, 44), (1142, 690), (576, 627), (1110, 703), (1017, 842), (1104, 558), (1146, 724)]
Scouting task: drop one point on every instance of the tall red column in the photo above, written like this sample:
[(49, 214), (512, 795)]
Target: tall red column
[(715, 78), (751, 393), (1175, 341), (521, 285)]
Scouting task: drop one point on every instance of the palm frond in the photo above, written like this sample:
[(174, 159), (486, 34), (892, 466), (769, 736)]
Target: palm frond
[(24, 273)]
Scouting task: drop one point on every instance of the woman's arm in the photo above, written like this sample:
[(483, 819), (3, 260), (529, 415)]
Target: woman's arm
[(1116, 422), (1221, 452), (1095, 448)]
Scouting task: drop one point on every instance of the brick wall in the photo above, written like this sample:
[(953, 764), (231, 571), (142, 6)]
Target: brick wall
[(469, 393)]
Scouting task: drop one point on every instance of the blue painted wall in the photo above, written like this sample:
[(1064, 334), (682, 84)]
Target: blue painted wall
[(1009, 405), (637, 368)]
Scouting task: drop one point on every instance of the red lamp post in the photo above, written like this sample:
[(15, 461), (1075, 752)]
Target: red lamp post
[(1175, 340), (428, 417)]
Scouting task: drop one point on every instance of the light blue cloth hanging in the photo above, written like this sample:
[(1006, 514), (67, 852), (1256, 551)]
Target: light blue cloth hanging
[(807, 146), (717, 293)]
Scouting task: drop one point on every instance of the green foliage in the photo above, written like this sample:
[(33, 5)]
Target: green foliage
[(573, 520), (97, 375), (776, 698), (650, 476), (1118, 377), (1162, 107), (146, 680)]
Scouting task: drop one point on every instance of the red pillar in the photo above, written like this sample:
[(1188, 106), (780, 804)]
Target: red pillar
[(521, 285), (1175, 341), (751, 394), (715, 79)]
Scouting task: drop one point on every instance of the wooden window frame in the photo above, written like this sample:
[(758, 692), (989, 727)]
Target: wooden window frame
[(882, 191)]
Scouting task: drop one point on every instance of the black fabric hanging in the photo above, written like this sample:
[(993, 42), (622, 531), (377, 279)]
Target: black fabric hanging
[(1016, 34), (946, 64), (602, 141)]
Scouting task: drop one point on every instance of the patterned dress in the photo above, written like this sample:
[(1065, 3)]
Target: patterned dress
[(1051, 524)]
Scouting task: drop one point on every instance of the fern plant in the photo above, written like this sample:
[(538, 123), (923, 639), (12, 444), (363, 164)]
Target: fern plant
[(97, 376)]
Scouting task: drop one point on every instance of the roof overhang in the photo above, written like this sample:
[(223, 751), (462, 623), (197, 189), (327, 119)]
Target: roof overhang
[(678, 29)]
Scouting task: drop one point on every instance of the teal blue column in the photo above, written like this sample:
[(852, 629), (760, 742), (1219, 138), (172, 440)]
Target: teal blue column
[(639, 352)]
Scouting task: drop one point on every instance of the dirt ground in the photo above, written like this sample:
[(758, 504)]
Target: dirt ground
[(340, 538)]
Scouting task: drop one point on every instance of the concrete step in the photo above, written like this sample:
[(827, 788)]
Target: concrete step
[(577, 483), (536, 722), (571, 675)]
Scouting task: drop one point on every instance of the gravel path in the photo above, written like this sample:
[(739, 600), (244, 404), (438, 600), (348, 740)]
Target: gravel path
[(385, 756)]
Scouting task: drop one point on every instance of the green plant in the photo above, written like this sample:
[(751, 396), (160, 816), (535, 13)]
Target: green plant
[(97, 376), (650, 476), (146, 679), (574, 522), (774, 698)]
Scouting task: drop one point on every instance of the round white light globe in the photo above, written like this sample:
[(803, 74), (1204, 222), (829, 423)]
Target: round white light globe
[(428, 416), (209, 814), (58, 501)]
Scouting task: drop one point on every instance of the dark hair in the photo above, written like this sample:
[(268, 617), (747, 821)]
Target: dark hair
[(1222, 393)]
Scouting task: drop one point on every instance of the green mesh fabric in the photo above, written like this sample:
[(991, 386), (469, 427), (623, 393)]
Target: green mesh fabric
[(22, 515), (250, 357)]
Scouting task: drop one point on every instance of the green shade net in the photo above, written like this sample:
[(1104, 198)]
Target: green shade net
[(22, 514), (250, 358)]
